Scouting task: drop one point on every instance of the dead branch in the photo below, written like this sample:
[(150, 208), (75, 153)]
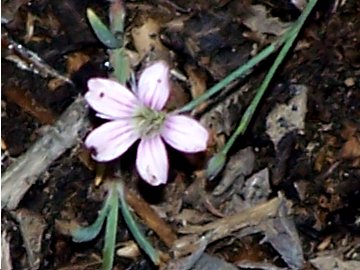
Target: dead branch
[(64, 134)]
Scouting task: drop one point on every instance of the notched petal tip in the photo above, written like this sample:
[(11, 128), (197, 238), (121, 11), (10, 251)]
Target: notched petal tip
[(152, 162), (154, 85)]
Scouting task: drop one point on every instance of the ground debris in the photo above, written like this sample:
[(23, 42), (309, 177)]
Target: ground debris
[(9, 10), (257, 188), (271, 218), (32, 226), (203, 42), (151, 218), (24, 171), (6, 263), (238, 167), (285, 118), (258, 265), (281, 233), (29, 60), (260, 21), (214, 39), (25, 100), (147, 42), (331, 262)]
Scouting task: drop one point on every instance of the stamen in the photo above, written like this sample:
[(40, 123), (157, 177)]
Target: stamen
[(149, 122)]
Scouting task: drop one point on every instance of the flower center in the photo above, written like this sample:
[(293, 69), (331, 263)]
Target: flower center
[(149, 122)]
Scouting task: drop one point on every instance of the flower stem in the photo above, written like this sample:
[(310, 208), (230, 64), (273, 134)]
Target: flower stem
[(111, 229), (134, 228), (118, 57), (240, 71), (246, 118)]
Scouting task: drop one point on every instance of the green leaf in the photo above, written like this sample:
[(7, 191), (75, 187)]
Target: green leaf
[(120, 63), (215, 165), (84, 234), (289, 39), (133, 227), (111, 229), (117, 16), (118, 57), (102, 31)]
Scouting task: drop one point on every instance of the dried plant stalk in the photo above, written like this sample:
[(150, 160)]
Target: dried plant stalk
[(24, 171)]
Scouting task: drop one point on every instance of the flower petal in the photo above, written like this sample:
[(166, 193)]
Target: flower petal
[(185, 134), (110, 99), (154, 86), (152, 161), (111, 140)]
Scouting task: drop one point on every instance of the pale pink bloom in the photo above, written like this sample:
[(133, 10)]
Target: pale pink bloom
[(139, 116)]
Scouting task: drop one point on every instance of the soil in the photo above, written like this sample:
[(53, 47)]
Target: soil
[(316, 168)]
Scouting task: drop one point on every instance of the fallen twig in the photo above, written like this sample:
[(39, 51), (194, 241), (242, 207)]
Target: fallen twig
[(151, 218), (28, 60), (24, 99), (224, 227), (23, 173)]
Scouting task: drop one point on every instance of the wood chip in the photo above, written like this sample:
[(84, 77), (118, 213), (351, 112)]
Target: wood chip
[(25, 101)]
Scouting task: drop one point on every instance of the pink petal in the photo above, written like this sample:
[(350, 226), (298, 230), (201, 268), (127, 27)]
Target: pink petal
[(111, 140), (152, 161), (110, 99), (185, 134), (154, 86)]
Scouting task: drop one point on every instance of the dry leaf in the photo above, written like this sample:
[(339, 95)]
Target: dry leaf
[(25, 100), (349, 130), (197, 80), (240, 165), (259, 21), (55, 83), (325, 154), (32, 227), (257, 188), (285, 118), (9, 9), (351, 148), (331, 262), (281, 233), (146, 40), (128, 250), (75, 61), (224, 117), (6, 263)]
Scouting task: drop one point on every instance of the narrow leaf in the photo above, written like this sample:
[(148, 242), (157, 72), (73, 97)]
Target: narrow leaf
[(110, 232), (215, 165), (289, 41), (133, 227), (120, 63), (102, 31), (84, 234), (117, 15)]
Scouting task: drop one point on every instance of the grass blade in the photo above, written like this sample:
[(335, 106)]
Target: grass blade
[(102, 32), (133, 227), (111, 229)]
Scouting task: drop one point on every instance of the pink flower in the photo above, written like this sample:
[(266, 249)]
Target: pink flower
[(139, 116)]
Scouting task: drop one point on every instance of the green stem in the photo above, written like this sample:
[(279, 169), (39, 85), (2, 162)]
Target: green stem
[(111, 229), (245, 120), (133, 227), (118, 57), (240, 71)]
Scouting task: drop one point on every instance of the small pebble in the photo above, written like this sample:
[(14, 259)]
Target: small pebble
[(349, 82)]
